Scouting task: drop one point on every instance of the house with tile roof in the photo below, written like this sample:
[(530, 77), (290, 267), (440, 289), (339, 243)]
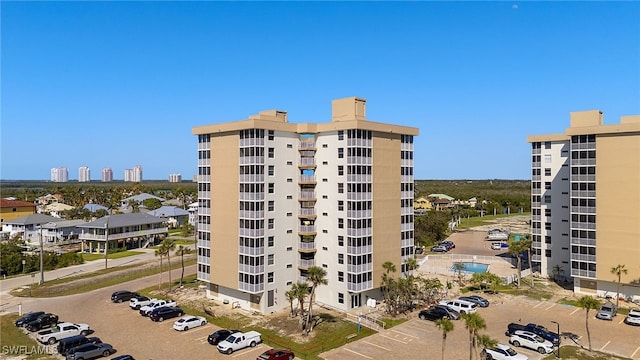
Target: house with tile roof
[(134, 230)]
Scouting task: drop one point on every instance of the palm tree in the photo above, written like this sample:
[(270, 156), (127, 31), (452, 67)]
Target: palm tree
[(485, 341), (411, 264), (458, 268), (446, 326), (557, 270), (473, 322), (516, 248), (317, 276), (300, 290), (169, 245), (587, 302), (388, 267), (290, 295), (527, 244), (182, 251), (160, 251), (618, 271)]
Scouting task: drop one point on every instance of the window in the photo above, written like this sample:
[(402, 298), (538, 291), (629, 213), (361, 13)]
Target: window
[(271, 153), (341, 298), (341, 276), (289, 146), (325, 231), (289, 282), (340, 134), (340, 153), (271, 223), (289, 180), (272, 188), (325, 196), (547, 158), (547, 239), (340, 258), (289, 197), (547, 145), (325, 163), (325, 146), (289, 231), (270, 205), (547, 199), (324, 248), (340, 205), (289, 162), (271, 135), (547, 185), (271, 170), (340, 188), (289, 214), (340, 223), (270, 259), (325, 214), (547, 172), (289, 248), (289, 266), (325, 266), (547, 253), (340, 240), (340, 170), (270, 277), (270, 241)]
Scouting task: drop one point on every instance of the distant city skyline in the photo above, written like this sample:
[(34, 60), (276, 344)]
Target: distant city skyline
[(476, 78)]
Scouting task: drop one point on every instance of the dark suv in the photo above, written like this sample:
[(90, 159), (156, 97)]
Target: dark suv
[(43, 321), (123, 295), (27, 318), (220, 335), (165, 312), (434, 313)]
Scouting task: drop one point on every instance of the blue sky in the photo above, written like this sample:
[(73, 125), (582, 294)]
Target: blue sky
[(119, 84)]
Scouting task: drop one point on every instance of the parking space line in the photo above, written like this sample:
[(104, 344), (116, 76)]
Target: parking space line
[(634, 353), (415, 327), (552, 305), (250, 349), (605, 345), (191, 331), (400, 332), (540, 303), (394, 339), (376, 345), (202, 337), (574, 311), (357, 353)]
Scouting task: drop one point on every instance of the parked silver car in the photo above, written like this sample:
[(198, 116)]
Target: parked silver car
[(607, 311), (90, 351)]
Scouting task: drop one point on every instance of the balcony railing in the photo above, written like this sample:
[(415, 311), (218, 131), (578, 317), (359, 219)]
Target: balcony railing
[(583, 194), (203, 260), (307, 161), (204, 162), (359, 160), (252, 142), (583, 146), (535, 164), (251, 288), (249, 214), (536, 177), (248, 250), (356, 269), (589, 162), (307, 211), (307, 263), (249, 160), (583, 209), (309, 145), (583, 273), (359, 250), (359, 142), (307, 228), (536, 151), (588, 178), (251, 269), (360, 232), (252, 178), (583, 257), (358, 214), (360, 196), (307, 178), (123, 235), (251, 232), (579, 241), (357, 287), (204, 178), (252, 196), (307, 195), (359, 178), (307, 245), (583, 225)]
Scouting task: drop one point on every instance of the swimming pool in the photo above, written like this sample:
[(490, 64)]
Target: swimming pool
[(472, 267)]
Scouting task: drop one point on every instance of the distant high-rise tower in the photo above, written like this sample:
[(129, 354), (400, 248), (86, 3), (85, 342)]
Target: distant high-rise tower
[(137, 173), (107, 175), (84, 174), (128, 175), (60, 174), (174, 178)]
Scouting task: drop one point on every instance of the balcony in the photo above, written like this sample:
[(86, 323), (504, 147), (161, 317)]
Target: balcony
[(359, 160), (359, 214), (583, 194), (307, 145), (204, 162), (583, 257), (536, 151), (307, 212), (252, 196), (253, 251), (251, 232), (361, 196), (203, 260), (360, 232), (306, 263), (583, 225), (583, 273), (359, 250), (579, 241), (583, 178), (306, 162), (307, 246), (535, 164), (252, 178), (308, 229), (536, 177), (252, 142), (359, 143), (536, 191), (204, 178), (306, 195), (583, 209), (356, 269), (307, 179), (249, 214), (251, 269), (582, 162), (583, 146), (251, 288), (358, 287), (359, 178)]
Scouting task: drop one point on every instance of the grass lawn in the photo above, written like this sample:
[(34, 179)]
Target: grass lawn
[(116, 255), (576, 353), (14, 341), (484, 220)]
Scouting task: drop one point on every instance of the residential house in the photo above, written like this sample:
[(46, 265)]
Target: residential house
[(134, 230), (175, 216), (54, 209), (28, 226), (13, 209)]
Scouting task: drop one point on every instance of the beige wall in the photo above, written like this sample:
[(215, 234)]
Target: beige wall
[(386, 203), (618, 205), (225, 202)]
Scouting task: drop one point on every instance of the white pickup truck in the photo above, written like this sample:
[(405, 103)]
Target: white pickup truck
[(62, 331), (137, 302), (157, 303), (239, 341)]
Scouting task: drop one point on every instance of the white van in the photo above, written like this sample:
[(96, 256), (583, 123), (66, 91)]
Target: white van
[(461, 306)]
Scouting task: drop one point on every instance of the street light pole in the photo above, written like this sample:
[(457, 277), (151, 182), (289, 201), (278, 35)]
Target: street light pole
[(41, 257), (558, 325)]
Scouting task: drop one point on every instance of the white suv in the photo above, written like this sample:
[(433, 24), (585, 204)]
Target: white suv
[(532, 341), (501, 352), (633, 318), (461, 306)]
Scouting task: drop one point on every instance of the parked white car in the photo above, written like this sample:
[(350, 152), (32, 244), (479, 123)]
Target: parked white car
[(502, 352), (189, 322), (461, 306), (532, 341), (633, 318)]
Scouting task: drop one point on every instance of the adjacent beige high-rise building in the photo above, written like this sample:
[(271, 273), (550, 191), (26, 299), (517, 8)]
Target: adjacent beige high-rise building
[(276, 198), (586, 203)]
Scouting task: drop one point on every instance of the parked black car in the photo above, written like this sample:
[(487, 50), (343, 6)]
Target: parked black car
[(165, 312), (69, 343), (43, 321), (433, 314), (123, 295), (27, 318), (123, 357), (536, 329), (453, 314), (220, 335)]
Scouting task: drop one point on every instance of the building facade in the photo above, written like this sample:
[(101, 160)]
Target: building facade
[(175, 178), (60, 174), (585, 203), (84, 174), (133, 175), (107, 175), (276, 198)]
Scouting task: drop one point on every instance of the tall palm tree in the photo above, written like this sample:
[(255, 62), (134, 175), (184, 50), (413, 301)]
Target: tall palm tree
[(317, 276), (587, 302), (473, 322), (446, 326), (618, 271), (169, 245), (182, 251), (301, 290), (388, 267), (290, 295), (485, 341), (516, 248)]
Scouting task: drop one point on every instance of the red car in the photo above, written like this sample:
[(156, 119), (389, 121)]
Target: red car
[(277, 354)]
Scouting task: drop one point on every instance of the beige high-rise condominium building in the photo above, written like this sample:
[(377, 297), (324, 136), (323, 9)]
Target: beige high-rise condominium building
[(276, 198), (84, 174), (585, 203)]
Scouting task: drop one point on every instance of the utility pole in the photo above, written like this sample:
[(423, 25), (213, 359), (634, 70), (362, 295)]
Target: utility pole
[(106, 242), (41, 257)]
